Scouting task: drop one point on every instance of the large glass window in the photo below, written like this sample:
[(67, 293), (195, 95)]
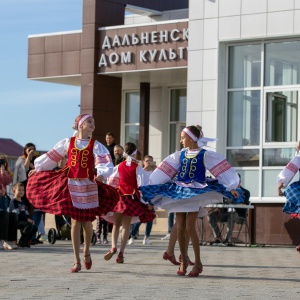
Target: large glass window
[(262, 119), (243, 157), (281, 116), (277, 157), (132, 117), (282, 63), (243, 118), (244, 66), (177, 117)]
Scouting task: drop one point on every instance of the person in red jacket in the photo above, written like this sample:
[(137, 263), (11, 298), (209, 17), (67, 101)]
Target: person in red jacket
[(126, 178)]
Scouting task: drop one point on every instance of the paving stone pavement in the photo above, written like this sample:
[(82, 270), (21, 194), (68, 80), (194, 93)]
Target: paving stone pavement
[(42, 272)]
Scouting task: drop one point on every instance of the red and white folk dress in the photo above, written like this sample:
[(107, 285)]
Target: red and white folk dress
[(126, 178), (72, 191)]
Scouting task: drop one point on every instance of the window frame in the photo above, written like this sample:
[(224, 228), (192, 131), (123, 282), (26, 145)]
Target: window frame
[(263, 93), (177, 123)]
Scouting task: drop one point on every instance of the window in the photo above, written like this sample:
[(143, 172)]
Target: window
[(244, 66), (281, 116), (243, 118), (262, 119), (177, 117), (282, 63), (132, 117)]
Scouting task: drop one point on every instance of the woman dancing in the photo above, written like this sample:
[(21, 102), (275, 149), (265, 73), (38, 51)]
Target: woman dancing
[(190, 190), (292, 191), (127, 177), (75, 190)]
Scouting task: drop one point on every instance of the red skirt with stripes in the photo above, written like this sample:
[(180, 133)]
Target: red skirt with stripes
[(131, 207), (49, 191)]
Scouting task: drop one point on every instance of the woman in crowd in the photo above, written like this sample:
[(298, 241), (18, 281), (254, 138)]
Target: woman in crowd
[(75, 190), (127, 177), (190, 189), (23, 166), (8, 174)]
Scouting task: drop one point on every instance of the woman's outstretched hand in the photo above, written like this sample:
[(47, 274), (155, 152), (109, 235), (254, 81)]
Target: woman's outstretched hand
[(234, 193), (279, 189)]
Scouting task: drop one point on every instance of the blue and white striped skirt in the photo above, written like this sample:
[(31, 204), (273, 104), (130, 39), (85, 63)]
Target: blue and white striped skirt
[(292, 194), (176, 198)]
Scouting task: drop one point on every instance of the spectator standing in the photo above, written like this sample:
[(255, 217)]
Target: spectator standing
[(23, 166), (110, 144), (6, 174), (118, 153), (4, 161)]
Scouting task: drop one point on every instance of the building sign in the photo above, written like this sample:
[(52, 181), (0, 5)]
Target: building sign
[(143, 47)]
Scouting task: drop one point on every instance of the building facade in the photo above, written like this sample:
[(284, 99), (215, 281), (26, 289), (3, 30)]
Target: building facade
[(228, 65)]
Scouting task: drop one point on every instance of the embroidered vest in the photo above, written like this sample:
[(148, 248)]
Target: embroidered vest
[(128, 184), (81, 161), (191, 168)]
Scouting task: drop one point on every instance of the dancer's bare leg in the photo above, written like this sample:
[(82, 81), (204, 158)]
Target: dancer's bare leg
[(181, 235), (75, 237), (125, 232), (116, 229), (191, 229), (187, 241), (172, 240), (87, 235)]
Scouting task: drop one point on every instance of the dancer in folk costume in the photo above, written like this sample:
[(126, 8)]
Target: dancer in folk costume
[(292, 191), (190, 189), (126, 178), (75, 190)]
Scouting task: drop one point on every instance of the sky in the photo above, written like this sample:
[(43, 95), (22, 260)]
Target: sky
[(33, 111)]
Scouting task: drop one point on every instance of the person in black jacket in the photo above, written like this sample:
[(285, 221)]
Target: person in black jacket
[(8, 222), (110, 144), (225, 215), (25, 224)]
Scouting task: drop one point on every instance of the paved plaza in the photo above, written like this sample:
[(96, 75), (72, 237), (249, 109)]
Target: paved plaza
[(42, 272)]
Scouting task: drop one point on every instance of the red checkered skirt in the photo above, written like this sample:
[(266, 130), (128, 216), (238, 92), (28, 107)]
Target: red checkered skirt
[(133, 208), (49, 192)]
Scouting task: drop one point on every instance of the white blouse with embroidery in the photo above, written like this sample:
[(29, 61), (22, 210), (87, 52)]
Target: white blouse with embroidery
[(84, 192), (216, 164), (288, 173), (114, 178)]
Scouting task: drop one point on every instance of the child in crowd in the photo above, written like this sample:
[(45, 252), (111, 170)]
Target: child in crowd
[(8, 222), (26, 224)]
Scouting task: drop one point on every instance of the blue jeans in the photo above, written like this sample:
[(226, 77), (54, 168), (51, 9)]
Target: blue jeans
[(37, 217), (136, 227)]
